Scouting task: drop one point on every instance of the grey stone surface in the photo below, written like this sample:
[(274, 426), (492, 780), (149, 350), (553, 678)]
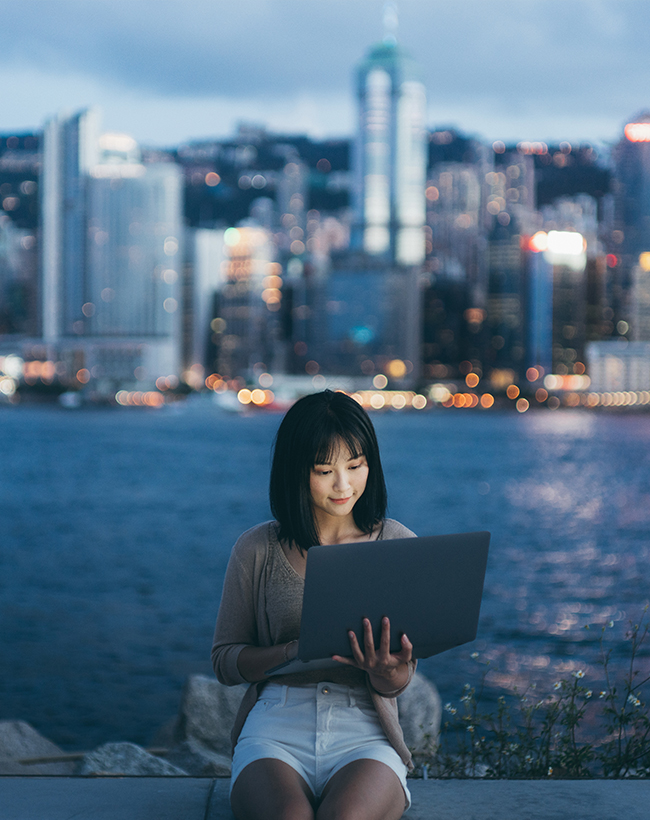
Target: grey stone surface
[(207, 713), (125, 759), (198, 760), (148, 798), (529, 800), (506, 800), (20, 741), (419, 715), (104, 798)]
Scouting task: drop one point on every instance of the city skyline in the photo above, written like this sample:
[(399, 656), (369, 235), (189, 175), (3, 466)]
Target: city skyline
[(540, 70)]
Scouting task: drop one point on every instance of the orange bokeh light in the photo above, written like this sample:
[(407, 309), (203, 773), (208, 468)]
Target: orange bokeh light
[(638, 131)]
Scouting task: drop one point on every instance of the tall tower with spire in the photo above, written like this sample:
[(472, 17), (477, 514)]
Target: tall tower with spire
[(390, 152)]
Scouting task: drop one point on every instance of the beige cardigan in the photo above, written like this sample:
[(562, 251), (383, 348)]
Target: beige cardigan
[(242, 621)]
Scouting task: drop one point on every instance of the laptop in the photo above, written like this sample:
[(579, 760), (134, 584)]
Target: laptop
[(430, 588)]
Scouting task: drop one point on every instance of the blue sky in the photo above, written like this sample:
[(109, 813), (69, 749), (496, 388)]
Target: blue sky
[(166, 71)]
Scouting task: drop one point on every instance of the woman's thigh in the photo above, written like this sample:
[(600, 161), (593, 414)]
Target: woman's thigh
[(363, 790), (270, 789)]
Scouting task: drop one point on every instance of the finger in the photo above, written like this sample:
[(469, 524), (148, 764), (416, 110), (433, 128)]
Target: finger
[(356, 651), (384, 643), (341, 659), (406, 652), (368, 639)]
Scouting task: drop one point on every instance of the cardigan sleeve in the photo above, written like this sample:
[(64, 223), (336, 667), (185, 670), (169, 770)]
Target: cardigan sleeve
[(237, 622)]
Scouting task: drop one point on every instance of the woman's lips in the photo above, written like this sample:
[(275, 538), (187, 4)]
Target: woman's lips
[(340, 500)]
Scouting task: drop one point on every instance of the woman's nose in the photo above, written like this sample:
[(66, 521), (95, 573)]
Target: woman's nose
[(341, 480)]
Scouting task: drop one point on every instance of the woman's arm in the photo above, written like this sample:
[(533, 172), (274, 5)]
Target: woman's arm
[(253, 661), (236, 626), (237, 656)]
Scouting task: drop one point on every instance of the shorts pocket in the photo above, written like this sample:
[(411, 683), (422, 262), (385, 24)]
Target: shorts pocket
[(266, 704)]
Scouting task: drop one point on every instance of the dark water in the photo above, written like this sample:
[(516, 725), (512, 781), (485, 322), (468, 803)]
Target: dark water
[(115, 530)]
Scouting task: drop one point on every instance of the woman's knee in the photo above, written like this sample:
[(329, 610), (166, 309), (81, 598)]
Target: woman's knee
[(261, 805), (363, 790), (269, 789)]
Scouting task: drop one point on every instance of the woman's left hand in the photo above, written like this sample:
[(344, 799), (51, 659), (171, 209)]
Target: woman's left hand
[(388, 671)]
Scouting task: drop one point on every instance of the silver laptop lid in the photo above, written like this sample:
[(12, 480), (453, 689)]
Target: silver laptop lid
[(430, 588)]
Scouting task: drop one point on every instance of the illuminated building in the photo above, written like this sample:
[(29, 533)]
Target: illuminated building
[(390, 156), (245, 326), (69, 151), (132, 309), (134, 232), (510, 188), (19, 174), (18, 280), (454, 301), (453, 197), (630, 236), (369, 316), (557, 300), (111, 230), (203, 278), (640, 299), (539, 324), (619, 365), (567, 257), (506, 299), (632, 175)]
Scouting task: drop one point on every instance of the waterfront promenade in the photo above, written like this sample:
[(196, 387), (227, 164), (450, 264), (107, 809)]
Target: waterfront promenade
[(183, 798)]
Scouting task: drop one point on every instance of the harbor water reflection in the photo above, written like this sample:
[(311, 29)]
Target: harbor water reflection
[(117, 526)]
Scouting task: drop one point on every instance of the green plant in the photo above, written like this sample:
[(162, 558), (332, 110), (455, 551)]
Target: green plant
[(626, 747), (529, 736)]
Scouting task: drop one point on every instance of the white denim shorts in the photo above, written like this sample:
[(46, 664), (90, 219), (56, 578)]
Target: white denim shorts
[(317, 729)]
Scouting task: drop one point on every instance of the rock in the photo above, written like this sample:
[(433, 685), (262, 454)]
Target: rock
[(164, 736), (420, 711), (125, 759), (20, 741), (207, 713), (198, 760)]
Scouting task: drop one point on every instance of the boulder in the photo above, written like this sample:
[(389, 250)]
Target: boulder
[(125, 759), (198, 760), (207, 713), (420, 711), (163, 737), (20, 741)]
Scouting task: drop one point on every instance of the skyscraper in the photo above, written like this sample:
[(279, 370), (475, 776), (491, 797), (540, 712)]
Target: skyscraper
[(390, 156), (630, 237), (131, 314), (69, 151), (110, 265)]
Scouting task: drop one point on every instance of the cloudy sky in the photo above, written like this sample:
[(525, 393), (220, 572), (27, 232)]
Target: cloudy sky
[(166, 71)]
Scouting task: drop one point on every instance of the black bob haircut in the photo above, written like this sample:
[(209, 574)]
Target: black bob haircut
[(309, 434)]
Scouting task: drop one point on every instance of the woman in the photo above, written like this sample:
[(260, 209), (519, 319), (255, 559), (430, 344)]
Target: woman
[(321, 744)]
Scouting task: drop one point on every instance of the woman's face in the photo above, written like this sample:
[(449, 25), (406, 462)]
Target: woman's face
[(337, 486)]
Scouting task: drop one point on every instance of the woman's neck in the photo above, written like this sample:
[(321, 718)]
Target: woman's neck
[(338, 531)]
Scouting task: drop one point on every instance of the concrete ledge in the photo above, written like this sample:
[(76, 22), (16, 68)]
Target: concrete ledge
[(184, 798)]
